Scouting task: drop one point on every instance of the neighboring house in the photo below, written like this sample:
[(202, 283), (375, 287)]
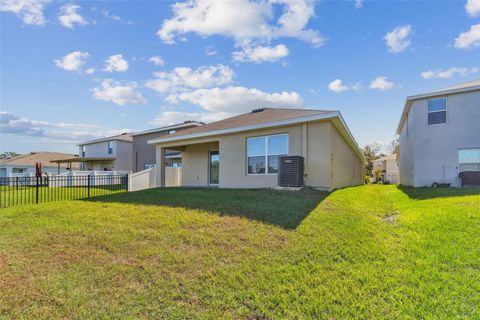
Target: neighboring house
[(440, 135), (105, 154), (143, 155), (243, 151), (389, 167), (25, 164)]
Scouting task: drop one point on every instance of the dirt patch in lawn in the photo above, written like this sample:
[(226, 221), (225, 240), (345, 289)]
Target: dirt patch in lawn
[(392, 218)]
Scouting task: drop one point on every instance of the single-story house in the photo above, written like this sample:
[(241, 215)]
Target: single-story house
[(243, 151), (144, 153), (24, 164), (440, 136)]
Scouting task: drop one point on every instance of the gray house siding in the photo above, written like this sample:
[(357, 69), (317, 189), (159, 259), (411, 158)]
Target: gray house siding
[(144, 153), (429, 153)]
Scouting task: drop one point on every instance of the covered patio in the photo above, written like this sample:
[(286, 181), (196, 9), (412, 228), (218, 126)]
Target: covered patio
[(200, 162), (88, 163)]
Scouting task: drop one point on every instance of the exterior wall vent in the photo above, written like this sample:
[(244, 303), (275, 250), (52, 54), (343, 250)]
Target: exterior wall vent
[(290, 171), (258, 110)]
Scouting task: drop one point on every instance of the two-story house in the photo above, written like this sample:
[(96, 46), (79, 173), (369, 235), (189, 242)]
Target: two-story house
[(440, 135), (106, 154), (389, 167), (143, 154)]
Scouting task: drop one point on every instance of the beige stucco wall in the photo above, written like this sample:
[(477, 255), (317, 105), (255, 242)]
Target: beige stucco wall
[(317, 164), (347, 166), (195, 164), (233, 158)]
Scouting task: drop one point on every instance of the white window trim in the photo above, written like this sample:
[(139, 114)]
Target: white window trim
[(266, 155), (109, 143), (446, 111)]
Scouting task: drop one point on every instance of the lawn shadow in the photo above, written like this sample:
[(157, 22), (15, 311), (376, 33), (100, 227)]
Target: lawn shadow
[(440, 192), (285, 209)]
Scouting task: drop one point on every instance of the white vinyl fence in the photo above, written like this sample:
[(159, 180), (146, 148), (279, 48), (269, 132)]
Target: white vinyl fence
[(146, 179)]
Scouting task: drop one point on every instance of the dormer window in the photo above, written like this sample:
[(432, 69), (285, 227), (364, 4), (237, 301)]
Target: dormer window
[(437, 110), (110, 147)]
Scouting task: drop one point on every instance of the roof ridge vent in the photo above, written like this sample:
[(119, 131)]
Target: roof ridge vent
[(258, 110)]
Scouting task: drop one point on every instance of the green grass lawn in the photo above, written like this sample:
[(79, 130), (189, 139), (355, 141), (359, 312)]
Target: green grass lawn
[(375, 252)]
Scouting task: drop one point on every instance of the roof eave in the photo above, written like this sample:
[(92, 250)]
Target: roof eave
[(172, 127), (322, 116)]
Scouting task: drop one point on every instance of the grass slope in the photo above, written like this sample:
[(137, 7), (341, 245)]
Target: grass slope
[(363, 252)]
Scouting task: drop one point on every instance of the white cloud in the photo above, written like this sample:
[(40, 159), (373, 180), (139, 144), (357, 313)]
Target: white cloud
[(338, 86), (398, 39), (382, 84), (118, 93), (242, 20), (447, 74), (469, 39), (115, 17), (173, 117), (473, 8), (11, 123), (261, 54), (116, 63), (73, 61), (90, 71), (210, 51), (235, 100), (157, 60), (358, 4), (69, 16), (30, 11), (184, 78)]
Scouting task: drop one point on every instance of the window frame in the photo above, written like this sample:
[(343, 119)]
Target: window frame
[(266, 155), (446, 108), (110, 147), (83, 148)]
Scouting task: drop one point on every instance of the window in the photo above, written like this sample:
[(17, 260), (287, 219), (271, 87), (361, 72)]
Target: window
[(263, 153), (83, 151), (468, 160), (149, 165), (19, 170), (110, 147), (172, 131), (437, 111)]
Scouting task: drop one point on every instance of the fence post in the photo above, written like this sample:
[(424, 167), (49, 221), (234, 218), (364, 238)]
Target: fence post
[(36, 190), (126, 182), (88, 186)]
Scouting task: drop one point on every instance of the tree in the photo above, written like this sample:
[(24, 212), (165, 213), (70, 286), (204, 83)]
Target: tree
[(8, 155), (378, 173), (369, 155)]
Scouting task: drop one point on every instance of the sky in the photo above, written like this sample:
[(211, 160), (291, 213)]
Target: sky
[(74, 71)]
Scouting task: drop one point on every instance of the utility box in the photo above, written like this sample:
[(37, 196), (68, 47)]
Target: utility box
[(291, 171)]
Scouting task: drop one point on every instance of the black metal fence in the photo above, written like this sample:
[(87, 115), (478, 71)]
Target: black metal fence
[(16, 191)]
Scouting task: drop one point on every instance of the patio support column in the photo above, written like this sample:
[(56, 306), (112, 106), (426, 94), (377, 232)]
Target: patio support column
[(160, 161)]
